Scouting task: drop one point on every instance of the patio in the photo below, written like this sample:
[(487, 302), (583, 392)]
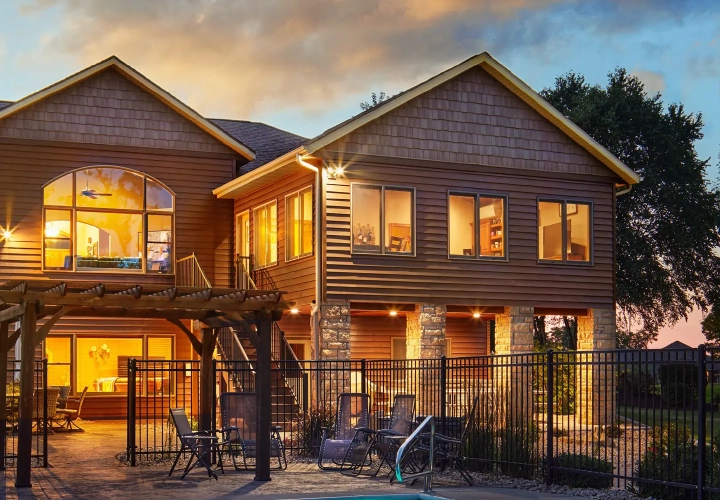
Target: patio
[(84, 465)]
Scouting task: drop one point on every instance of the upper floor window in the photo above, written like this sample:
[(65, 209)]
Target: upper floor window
[(108, 219), (383, 219), (299, 224), (477, 226), (265, 234), (564, 231)]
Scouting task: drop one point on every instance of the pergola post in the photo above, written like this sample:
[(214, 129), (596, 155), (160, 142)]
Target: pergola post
[(207, 382), (27, 383), (263, 389)]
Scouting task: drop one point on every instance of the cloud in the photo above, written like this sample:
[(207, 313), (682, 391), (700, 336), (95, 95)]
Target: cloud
[(654, 81), (243, 58)]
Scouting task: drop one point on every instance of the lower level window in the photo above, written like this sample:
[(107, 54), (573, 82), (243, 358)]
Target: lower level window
[(564, 231)]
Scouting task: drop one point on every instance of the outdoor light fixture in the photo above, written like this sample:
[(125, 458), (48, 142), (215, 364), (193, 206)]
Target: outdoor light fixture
[(476, 315), (393, 313), (294, 310), (335, 172), (7, 235)]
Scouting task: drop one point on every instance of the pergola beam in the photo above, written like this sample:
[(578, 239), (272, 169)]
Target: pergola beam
[(197, 345), (11, 313)]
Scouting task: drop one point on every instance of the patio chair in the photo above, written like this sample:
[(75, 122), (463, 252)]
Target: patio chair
[(64, 393), (238, 412), (38, 416), (387, 441), (349, 447), (451, 451), (67, 417), (199, 443)]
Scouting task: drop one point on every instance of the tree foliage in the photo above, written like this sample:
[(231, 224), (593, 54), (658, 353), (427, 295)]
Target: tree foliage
[(375, 100), (669, 224)]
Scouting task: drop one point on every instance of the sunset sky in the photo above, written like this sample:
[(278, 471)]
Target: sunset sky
[(306, 65)]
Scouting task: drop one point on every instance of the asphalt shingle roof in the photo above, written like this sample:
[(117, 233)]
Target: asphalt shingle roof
[(266, 141), (5, 104)]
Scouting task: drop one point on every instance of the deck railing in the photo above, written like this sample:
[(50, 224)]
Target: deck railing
[(189, 273)]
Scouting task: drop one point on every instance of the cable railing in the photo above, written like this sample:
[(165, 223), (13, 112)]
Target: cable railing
[(189, 273), (408, 446)]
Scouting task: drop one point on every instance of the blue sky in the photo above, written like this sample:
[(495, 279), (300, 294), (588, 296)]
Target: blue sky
[(305, 66)]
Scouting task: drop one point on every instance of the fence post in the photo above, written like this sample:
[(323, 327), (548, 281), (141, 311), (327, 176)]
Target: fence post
[(45, 411), (306, 391), (213, 411), (363, 374), (132, 393), (550, 397), (701, 422), (443, 393)]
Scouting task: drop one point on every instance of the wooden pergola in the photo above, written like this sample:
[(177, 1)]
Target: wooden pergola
[(31, 300)]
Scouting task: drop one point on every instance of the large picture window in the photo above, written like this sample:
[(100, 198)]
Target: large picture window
[(299, 224), (265, 234), (383, 219), (477, 225), (564, 231), (107, 219)]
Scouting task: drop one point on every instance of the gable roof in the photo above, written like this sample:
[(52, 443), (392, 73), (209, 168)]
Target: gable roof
[(267, 141), (8, 108), (677, 345), (506, 78)]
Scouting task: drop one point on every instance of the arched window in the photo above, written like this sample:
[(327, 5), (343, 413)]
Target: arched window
[(108, 219)]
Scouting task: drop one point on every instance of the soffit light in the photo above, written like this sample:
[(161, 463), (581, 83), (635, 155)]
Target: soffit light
[(476, 315), (7, 234), (393, 313), (294, 310)]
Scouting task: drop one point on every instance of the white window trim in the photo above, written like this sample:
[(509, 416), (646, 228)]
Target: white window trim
[(299, 193)]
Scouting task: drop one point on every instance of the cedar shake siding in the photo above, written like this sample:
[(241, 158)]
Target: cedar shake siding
[(431, 277), (107, 108), (203, 223), (297, 277), (471, 119)]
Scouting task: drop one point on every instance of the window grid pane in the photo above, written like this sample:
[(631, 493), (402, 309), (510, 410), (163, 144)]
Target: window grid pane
[(492, 226), (398, 220), (578, 232), (109, 241), (550, 230), (365, 209), (294, 222), (307, 223), (58, 239), (461, 225)]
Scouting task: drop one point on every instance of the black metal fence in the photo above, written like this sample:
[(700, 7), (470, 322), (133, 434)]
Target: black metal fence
[(647, 420), (41, 416)]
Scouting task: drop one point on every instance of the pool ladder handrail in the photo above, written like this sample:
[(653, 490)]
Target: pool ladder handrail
[(416, 435)]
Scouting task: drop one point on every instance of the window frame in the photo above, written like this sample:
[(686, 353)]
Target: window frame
[(255, 209), (476, 226), (73, 208), (413, 219), (563, 218), (288, 230)]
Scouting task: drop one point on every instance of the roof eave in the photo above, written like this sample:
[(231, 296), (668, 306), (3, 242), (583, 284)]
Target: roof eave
[(239, 185), (149, 86)]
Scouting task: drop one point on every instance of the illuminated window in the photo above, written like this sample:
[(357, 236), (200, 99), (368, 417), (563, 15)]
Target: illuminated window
[(108, 219), (265, 229), (383, 219), (564, 231), (102, 363), (58, 353), (477, 226), (299, 224)]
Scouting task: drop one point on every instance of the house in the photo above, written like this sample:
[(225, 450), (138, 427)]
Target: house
[(423, 227)]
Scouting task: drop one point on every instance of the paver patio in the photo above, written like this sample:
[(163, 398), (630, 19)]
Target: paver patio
[(83, 466)]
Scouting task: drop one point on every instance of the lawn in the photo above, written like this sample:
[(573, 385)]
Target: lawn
[(689, 418)]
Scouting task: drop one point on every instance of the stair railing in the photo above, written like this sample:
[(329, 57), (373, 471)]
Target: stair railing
[(189, 273), (243, 272), (234, 354), (290, 367), (407, 446)]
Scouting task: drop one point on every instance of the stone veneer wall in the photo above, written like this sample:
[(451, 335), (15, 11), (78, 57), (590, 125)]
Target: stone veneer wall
[(334, 341), (513, 404), (425, 340), (595, 383)]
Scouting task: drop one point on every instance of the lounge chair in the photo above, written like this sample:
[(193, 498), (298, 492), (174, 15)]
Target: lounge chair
[(200, 444), (238, 412), (67, 416), (38, 416), (348, 449), (387, 441)]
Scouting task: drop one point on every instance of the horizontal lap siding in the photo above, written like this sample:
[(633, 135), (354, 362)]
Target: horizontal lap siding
[(432, 277), (295, 326), (468, 337), (297, 277), (203, 224), (370, 336)]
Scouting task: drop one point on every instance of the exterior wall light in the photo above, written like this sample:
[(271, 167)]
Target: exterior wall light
[(393, 313), (7, 235), (294, 310), (334, 172), (476, 315)]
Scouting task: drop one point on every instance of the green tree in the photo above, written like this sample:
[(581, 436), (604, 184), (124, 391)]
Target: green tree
[(376, 99), (711, 326), (668, 225)]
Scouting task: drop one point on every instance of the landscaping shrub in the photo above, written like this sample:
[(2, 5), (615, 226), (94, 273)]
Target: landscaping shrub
[(518, 451), (580, 462), (635, 382), (679, 384), (306, 431), (481, 447)]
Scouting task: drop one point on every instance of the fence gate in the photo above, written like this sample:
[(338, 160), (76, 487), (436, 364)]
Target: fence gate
[(9, 445)]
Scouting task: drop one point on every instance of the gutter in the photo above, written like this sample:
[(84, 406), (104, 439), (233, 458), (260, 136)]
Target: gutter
[(318, 249), (624, 190)]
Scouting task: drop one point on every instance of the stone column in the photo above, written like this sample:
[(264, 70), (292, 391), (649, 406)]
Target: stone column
[(425, 340), (512, 372), (333, 333), (595, 383)]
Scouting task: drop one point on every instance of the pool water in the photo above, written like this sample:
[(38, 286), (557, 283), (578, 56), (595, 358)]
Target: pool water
[(402, 496)]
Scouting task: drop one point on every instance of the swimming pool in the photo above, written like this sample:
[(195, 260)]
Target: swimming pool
[(401, 496)]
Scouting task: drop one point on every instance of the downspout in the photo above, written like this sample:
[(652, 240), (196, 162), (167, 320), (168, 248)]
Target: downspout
[(625, 190), (318, 250)]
